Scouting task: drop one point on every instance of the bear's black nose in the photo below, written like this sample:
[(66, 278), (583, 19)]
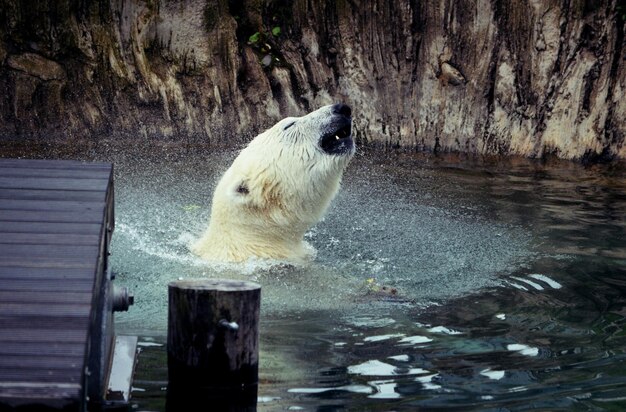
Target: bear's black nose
[(343, 109)]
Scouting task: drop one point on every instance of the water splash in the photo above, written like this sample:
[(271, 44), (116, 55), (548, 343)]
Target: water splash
[(375, 229)]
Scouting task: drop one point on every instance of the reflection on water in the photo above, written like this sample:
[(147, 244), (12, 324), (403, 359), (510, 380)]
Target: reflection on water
[(508, 279)]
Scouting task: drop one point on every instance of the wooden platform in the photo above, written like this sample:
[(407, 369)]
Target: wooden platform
[(56, 220)]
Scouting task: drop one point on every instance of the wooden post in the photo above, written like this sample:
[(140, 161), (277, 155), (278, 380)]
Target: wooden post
[(213, 338)]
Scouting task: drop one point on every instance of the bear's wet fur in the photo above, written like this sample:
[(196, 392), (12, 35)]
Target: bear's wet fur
[(278, 187)]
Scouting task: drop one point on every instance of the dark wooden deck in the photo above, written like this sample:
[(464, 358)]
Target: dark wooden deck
[(56, 219)]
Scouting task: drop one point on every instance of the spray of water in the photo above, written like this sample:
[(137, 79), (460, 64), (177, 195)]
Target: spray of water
[(380, 244)]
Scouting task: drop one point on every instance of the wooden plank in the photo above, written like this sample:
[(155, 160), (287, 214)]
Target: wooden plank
[(67, 262), (53, 164), (75, 216), (50, 228), (31, 395), (53, 205), (44, 310), (48, 250), (41, 348), (41, 375), (58, 263), (53, 221), (40, 362), (85, 173), (50, 262), (45, 330), (54, 183), (16, 296), (50, 335), (49, 239), (51, 330), (27, 251), (53, 255), (40, 194), (59, 275), (49, 285)]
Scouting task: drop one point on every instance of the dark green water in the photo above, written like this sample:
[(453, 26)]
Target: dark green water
[(510, 278)]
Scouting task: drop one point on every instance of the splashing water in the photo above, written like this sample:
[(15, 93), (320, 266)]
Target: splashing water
[(375, 230)]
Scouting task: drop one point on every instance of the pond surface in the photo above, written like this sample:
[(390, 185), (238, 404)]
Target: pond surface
[(509, 282), (440, 283)]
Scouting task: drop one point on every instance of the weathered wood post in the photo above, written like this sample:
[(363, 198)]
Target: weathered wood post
[(213, 341)]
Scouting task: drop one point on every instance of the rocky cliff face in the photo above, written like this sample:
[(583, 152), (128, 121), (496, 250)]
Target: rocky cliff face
[(474, 76)]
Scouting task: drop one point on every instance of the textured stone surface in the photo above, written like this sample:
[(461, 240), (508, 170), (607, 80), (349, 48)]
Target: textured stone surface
[(36, 66), (479, 77)]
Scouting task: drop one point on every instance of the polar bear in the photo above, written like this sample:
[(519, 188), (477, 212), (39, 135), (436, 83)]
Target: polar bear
[(278, 187)]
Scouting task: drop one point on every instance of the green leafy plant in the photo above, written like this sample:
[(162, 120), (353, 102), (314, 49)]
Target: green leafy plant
[(264, 42), (254, 38)]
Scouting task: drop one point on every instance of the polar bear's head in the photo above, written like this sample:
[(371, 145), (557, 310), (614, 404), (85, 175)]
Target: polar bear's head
[(278, 187)]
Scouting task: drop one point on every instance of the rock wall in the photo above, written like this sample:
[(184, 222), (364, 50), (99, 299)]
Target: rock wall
[(494, 77)]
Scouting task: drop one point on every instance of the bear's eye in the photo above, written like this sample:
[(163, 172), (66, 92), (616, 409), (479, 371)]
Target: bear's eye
[(243, 189), (289, 125)]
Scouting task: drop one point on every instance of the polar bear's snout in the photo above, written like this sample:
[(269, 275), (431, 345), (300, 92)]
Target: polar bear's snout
[(337, 139), (342, 109)]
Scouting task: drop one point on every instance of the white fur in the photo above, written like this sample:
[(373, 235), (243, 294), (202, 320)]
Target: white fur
[(290, 182)]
